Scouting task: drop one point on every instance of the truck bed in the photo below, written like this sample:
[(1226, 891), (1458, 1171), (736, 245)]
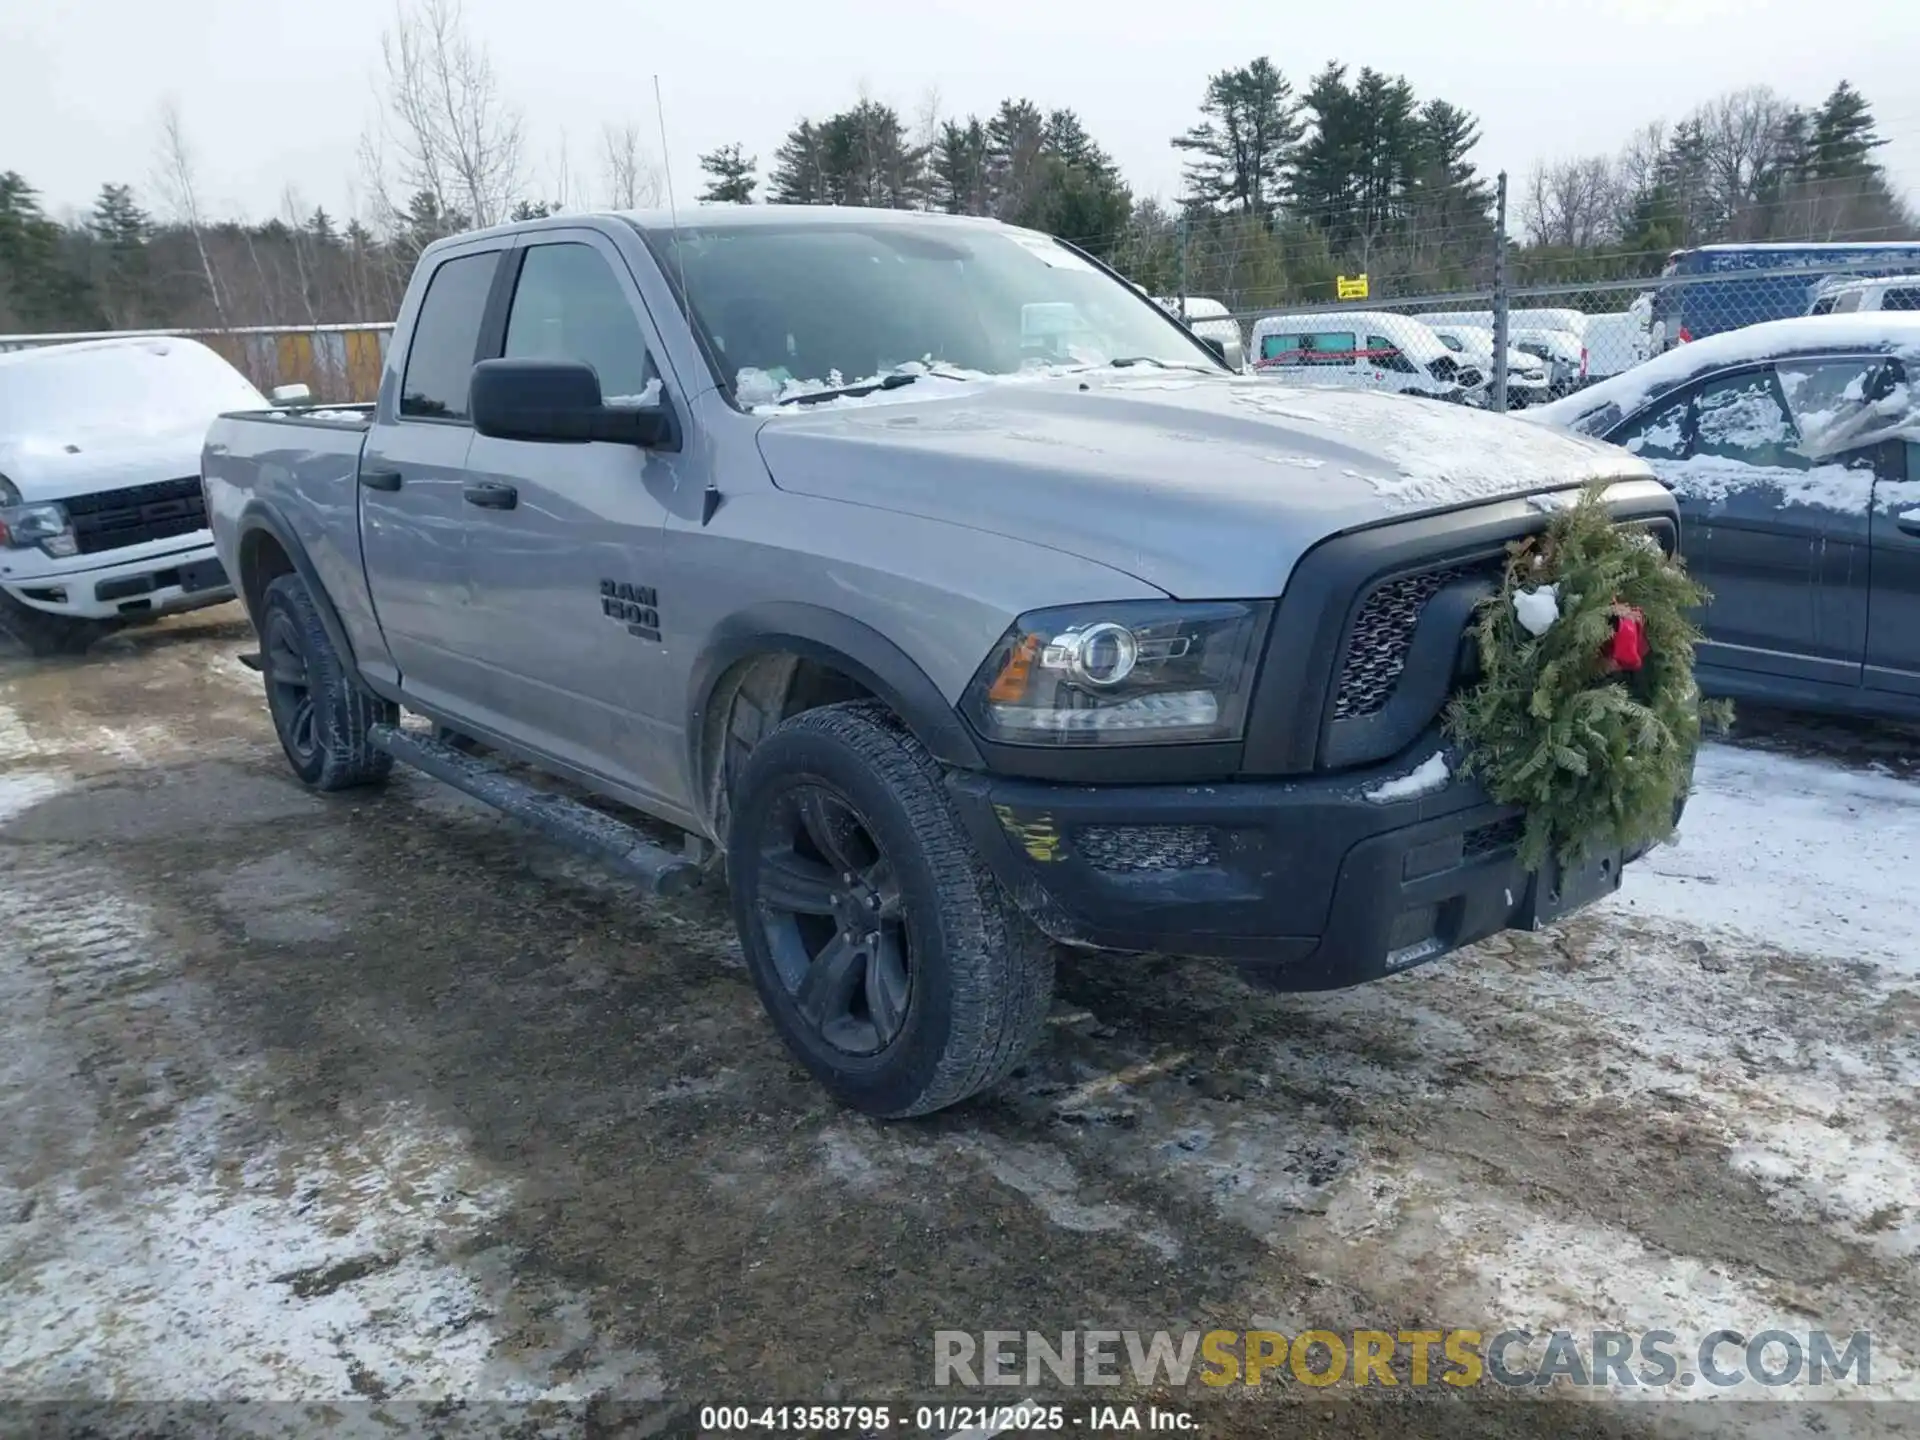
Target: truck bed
[(301, 467)]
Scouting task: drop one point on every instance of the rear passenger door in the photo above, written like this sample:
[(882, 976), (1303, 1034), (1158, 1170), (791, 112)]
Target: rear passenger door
[(559, 671), (413, 520)]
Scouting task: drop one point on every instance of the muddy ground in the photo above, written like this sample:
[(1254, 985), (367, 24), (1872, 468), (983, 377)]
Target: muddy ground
[(365, 1101)]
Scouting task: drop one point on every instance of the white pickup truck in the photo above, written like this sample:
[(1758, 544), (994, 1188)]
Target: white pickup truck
[(102, 520)]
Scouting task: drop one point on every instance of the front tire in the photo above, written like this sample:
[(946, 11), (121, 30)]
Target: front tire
[(44, 636), (890, 960), (320, 712)]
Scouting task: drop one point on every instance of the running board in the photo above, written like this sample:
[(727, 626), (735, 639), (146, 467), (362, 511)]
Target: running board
[(578, 827)]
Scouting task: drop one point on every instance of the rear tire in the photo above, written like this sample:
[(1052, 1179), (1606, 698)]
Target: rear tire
[(320, 712), (43, 636), (890, 960)]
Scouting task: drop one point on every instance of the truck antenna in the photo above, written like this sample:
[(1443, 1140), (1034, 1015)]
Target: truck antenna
[(710, 497)]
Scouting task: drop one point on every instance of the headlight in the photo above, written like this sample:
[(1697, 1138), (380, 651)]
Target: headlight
[(1134, 672), (42, 525)]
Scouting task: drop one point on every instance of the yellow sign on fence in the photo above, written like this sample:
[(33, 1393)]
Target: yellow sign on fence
[(1351, 289)]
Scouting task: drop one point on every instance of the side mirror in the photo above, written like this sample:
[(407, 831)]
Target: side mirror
[(559, 401), (1216, 345)]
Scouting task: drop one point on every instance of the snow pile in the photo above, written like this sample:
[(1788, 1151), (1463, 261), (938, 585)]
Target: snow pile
[(1537, 609), (1431, 775)]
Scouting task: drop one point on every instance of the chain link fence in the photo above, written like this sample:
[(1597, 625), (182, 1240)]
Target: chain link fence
[(1281, 316)]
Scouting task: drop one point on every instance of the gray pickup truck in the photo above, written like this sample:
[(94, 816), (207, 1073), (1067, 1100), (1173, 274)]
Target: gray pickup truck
[(931, 575)]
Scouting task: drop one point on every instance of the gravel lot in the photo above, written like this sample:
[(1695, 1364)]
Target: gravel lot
[(324, 1099)]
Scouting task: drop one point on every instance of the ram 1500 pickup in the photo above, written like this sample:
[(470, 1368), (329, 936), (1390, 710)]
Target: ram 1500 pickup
[(932, 575), (102, 520)]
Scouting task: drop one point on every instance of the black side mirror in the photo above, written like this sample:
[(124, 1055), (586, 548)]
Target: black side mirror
[(558, 400), (1216, 345)]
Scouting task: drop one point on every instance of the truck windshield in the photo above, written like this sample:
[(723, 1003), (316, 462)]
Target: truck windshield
[(787, 308)]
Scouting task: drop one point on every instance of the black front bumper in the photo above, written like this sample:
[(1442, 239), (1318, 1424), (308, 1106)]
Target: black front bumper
[(1306, 881)]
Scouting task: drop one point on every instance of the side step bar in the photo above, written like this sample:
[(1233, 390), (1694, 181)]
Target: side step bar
[(578, 827)]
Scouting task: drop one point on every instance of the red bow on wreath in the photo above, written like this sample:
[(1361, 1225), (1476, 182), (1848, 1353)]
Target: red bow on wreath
[(1627, 649)]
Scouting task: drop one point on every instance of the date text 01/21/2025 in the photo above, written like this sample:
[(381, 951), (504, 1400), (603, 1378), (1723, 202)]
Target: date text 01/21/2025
[(943, 1420)]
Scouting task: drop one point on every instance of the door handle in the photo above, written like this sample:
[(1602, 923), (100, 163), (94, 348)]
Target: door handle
[(1909, 524), (380, 479), (491, 495)]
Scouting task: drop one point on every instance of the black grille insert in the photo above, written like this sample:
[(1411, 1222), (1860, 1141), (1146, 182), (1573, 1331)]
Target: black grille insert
[(1377, 644), (1132, 849), (115, 519)]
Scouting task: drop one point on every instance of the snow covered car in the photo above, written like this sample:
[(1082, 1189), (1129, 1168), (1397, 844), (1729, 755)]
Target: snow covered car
[(1793, 449), (1526, 374), (101, 515)]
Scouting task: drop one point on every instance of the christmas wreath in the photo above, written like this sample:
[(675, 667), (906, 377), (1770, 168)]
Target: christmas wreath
[(1586, 712)]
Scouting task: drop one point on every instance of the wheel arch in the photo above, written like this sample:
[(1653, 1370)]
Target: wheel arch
[(781, 653), (268, 547)]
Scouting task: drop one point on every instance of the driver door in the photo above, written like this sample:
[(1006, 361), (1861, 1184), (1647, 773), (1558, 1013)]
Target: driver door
[(565, 539)]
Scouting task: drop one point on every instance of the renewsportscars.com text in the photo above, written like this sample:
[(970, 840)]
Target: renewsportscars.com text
[(1715, 1359)]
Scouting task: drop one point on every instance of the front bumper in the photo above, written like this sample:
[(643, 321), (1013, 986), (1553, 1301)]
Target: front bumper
[(110, 587), (1307, 882)]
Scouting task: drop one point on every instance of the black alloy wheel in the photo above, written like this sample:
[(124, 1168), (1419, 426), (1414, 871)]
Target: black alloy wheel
[(835, 925)]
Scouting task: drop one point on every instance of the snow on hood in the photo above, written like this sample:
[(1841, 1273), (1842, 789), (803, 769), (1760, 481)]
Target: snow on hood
[(106, 414), (1893, 333), (1208, 486)]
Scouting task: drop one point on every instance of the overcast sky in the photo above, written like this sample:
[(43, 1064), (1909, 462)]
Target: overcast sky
[(277, 95)]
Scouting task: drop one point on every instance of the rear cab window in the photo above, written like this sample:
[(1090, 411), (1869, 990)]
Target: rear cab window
[(446, 339)]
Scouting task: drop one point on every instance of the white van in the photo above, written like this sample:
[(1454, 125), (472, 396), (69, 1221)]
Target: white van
[(1364, 349)]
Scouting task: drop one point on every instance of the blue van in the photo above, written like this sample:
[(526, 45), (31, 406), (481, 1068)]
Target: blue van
[(1764, 282)]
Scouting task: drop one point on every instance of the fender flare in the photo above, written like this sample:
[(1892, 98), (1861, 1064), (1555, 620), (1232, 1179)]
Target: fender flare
[(855, 649), (259, 517)]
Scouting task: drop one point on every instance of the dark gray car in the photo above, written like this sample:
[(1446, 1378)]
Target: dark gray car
[(1793, 449), (935, 577)]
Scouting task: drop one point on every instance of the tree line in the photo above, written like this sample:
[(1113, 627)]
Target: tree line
[(1283, 189)]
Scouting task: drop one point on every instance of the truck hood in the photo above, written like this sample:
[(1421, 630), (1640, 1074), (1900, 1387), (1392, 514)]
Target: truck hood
[(53, 467), (1207, 487)]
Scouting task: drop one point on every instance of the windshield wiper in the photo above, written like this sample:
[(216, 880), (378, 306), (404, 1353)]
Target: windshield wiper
[(865, 387), (1121, 362)]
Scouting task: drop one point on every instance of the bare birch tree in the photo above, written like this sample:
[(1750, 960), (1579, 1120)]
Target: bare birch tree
[(444, 129), (176, 182), (630, 179)]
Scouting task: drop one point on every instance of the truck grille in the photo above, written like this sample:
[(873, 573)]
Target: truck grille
[(1377, 645), (115, 519)]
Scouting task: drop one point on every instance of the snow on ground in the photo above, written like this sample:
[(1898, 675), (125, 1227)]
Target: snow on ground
[(1793, 853)]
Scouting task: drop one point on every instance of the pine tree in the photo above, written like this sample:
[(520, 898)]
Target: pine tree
[(1244, 146), (1843, 136), (38, 290), (731, 175), (1016, 141), (1325, 184), (799, 168), (959, 170)]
